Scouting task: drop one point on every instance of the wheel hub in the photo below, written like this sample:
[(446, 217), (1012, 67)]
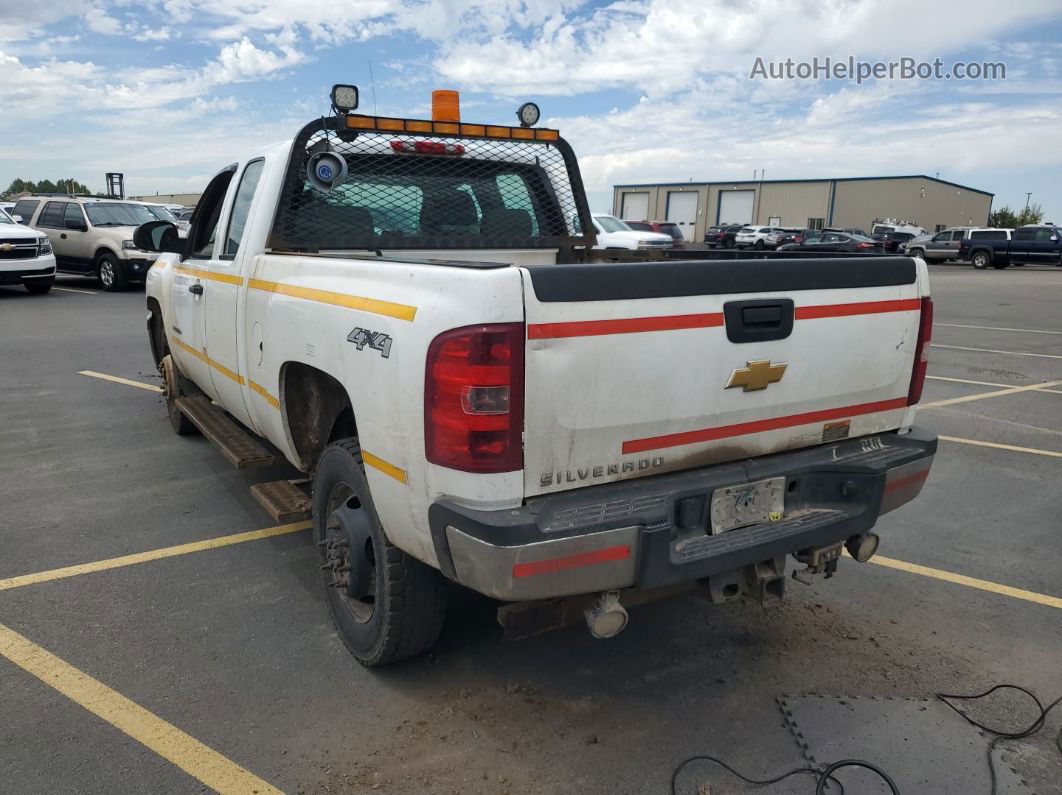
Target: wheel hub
[(348, 552)]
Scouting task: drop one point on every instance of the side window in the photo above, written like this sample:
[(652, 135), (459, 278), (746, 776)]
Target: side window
[(957, 235), (73, 213), (815, 223), (52, 215), (207, 213), (1022, 234), (241, 206), (943, 236), (1044, 234), (25, 208)]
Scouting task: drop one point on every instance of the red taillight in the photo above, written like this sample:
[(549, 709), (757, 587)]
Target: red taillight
[(921, 363), (474, 398), (428, 147), (865, 245)]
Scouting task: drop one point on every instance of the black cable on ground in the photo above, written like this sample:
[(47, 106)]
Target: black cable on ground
[(823, 777), (1000, 734)]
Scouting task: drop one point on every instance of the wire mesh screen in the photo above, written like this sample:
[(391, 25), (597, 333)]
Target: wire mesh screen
[(423, 191)]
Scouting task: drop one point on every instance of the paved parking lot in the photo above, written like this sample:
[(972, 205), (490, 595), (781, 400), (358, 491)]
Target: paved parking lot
[(150, 641)]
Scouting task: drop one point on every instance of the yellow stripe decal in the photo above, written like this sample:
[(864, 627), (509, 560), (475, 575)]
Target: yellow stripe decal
[(154, 554), (261, 390), (118, 380), (202, 356), (383, 466), (165, 739), (225, 278), (400, 311)]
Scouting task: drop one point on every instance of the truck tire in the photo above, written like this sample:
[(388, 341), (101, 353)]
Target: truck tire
[(39, 286), (400, 612), (110, 274), (980, 260), (916, 252), (174, 386)]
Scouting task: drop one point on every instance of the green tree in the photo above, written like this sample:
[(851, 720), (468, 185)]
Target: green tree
[(46, 186), (1033, 214), (1003, 218)]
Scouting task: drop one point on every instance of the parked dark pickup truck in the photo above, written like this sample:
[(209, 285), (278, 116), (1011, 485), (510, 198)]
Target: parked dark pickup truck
[(1031, 245)]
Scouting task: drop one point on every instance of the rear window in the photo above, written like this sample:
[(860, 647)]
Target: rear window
[(25, 208), (989, 234), (746, 230), (52, 215), (408, 191), (638, 226)]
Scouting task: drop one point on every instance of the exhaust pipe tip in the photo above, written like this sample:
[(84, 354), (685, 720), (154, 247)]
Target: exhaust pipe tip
[(607, 617), (863, 547)]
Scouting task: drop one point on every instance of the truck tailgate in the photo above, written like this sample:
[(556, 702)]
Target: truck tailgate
[(628, 365)]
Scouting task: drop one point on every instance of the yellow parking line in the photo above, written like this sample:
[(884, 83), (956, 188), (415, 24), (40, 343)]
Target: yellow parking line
[(148, 729), (120, 380), (1000, 328), (998, 446), (986, 383), (969, 582), (154, 554), (992, 350), (982, 395)]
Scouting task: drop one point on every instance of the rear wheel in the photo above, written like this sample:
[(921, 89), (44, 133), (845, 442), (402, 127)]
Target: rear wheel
[(110, 274), (759, 245), (175, 386), (980, 260), (39, 286), (387, 605), (916, 252)]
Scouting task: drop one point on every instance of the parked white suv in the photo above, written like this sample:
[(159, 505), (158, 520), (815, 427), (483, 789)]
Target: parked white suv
[(613, 233), (758, 236), (92, 237), (25, 256)]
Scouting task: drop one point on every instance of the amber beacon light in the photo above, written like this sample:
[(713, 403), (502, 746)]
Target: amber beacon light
[(445, 106)]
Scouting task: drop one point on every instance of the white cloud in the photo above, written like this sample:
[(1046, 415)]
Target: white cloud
[(98, 21), (158, 34)]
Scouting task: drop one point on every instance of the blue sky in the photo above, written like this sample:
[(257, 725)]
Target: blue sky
[(168, 91)]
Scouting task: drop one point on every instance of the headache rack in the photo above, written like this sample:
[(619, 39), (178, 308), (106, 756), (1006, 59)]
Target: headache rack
[(416, 185)]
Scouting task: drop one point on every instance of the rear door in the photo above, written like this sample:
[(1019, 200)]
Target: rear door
[(641, 368)]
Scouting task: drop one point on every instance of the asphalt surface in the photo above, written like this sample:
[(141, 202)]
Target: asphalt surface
[(235, 648)]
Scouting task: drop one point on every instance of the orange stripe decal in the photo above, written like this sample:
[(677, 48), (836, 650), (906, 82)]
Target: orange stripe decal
[(572, 561), (633, 325), (864, 308), (592, 328), (910, 480), (758, 426)]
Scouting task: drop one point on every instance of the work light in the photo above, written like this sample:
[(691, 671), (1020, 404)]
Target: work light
[(344, 98), (528, 114)]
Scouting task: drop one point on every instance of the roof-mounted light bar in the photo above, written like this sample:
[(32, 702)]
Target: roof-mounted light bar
[(458, 129)]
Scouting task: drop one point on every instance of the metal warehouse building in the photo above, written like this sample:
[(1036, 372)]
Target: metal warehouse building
[(809, 203)]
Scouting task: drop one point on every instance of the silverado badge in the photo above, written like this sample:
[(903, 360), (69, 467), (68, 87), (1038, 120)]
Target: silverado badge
[(756, 375)]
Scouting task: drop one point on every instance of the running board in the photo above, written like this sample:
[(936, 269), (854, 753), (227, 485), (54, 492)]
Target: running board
[(284, 500), (237, 445)]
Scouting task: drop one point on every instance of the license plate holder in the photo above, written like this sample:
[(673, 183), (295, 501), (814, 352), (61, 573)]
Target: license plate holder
[(747, 503)]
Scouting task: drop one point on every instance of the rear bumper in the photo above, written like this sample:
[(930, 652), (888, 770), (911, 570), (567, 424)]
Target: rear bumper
[(634, 534)]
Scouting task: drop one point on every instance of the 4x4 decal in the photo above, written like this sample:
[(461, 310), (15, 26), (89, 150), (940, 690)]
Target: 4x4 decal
[(374, 339)]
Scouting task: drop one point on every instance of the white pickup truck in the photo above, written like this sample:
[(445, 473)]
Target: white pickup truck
[(406, 311)]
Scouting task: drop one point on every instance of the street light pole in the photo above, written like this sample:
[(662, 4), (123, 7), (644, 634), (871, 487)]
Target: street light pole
[(1027, 196)]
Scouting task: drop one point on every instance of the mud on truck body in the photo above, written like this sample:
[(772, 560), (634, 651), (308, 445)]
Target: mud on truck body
[(409, 312)]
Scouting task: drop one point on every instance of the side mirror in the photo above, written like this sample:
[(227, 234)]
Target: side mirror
[(79, 226), (160, 236), (17, 219)]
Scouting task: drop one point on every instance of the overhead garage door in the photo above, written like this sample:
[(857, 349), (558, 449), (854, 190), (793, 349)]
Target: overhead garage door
[(735, 206), (682, 210), (635, 207)]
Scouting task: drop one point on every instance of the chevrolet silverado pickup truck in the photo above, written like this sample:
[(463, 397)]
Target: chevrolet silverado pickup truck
[(409, 311), (1035, 244)]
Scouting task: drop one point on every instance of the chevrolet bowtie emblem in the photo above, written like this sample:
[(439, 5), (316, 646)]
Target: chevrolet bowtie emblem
[(7, 247), (756, 375)]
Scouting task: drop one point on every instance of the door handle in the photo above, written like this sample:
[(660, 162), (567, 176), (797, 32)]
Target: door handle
[(196, 289)]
